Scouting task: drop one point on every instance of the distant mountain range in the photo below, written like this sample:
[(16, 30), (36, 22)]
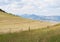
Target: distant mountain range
[(42, 18)]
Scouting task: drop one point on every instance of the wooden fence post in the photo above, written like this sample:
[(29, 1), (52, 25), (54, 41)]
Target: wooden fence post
[(9, 30), (29, 28)]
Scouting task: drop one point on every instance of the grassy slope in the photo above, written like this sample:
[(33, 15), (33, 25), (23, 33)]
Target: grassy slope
[(11, 23), (49, 34)]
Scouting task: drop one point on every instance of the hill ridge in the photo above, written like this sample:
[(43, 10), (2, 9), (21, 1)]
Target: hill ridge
[(2, 11)]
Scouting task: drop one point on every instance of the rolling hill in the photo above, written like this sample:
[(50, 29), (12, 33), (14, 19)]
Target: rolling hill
[(12, 23)]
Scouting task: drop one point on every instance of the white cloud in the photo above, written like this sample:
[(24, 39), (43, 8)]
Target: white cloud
[(39, 7)]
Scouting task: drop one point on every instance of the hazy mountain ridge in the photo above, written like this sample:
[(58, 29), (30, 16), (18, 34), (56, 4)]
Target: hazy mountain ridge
[(45, 18)]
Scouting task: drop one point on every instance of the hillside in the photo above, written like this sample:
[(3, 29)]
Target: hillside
[(49, 34), (12, 23)]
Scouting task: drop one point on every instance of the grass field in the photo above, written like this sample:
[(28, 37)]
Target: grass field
[(18, 29), (49, 34), (15, 23)]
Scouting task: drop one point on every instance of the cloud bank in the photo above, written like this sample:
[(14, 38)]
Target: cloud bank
[(38, 7)]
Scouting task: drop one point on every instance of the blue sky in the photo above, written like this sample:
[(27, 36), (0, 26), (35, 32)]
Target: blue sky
[(38, 7)]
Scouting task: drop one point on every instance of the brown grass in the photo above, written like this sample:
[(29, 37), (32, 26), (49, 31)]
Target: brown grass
[(13, 23)]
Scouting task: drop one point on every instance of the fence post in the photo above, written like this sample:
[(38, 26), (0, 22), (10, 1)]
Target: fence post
[(9, 30), (29, 28)]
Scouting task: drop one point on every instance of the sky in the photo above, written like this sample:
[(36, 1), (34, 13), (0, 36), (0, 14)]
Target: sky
[(38, 7)]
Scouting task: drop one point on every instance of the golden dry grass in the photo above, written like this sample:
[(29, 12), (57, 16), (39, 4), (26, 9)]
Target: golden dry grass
[(11, 23)]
